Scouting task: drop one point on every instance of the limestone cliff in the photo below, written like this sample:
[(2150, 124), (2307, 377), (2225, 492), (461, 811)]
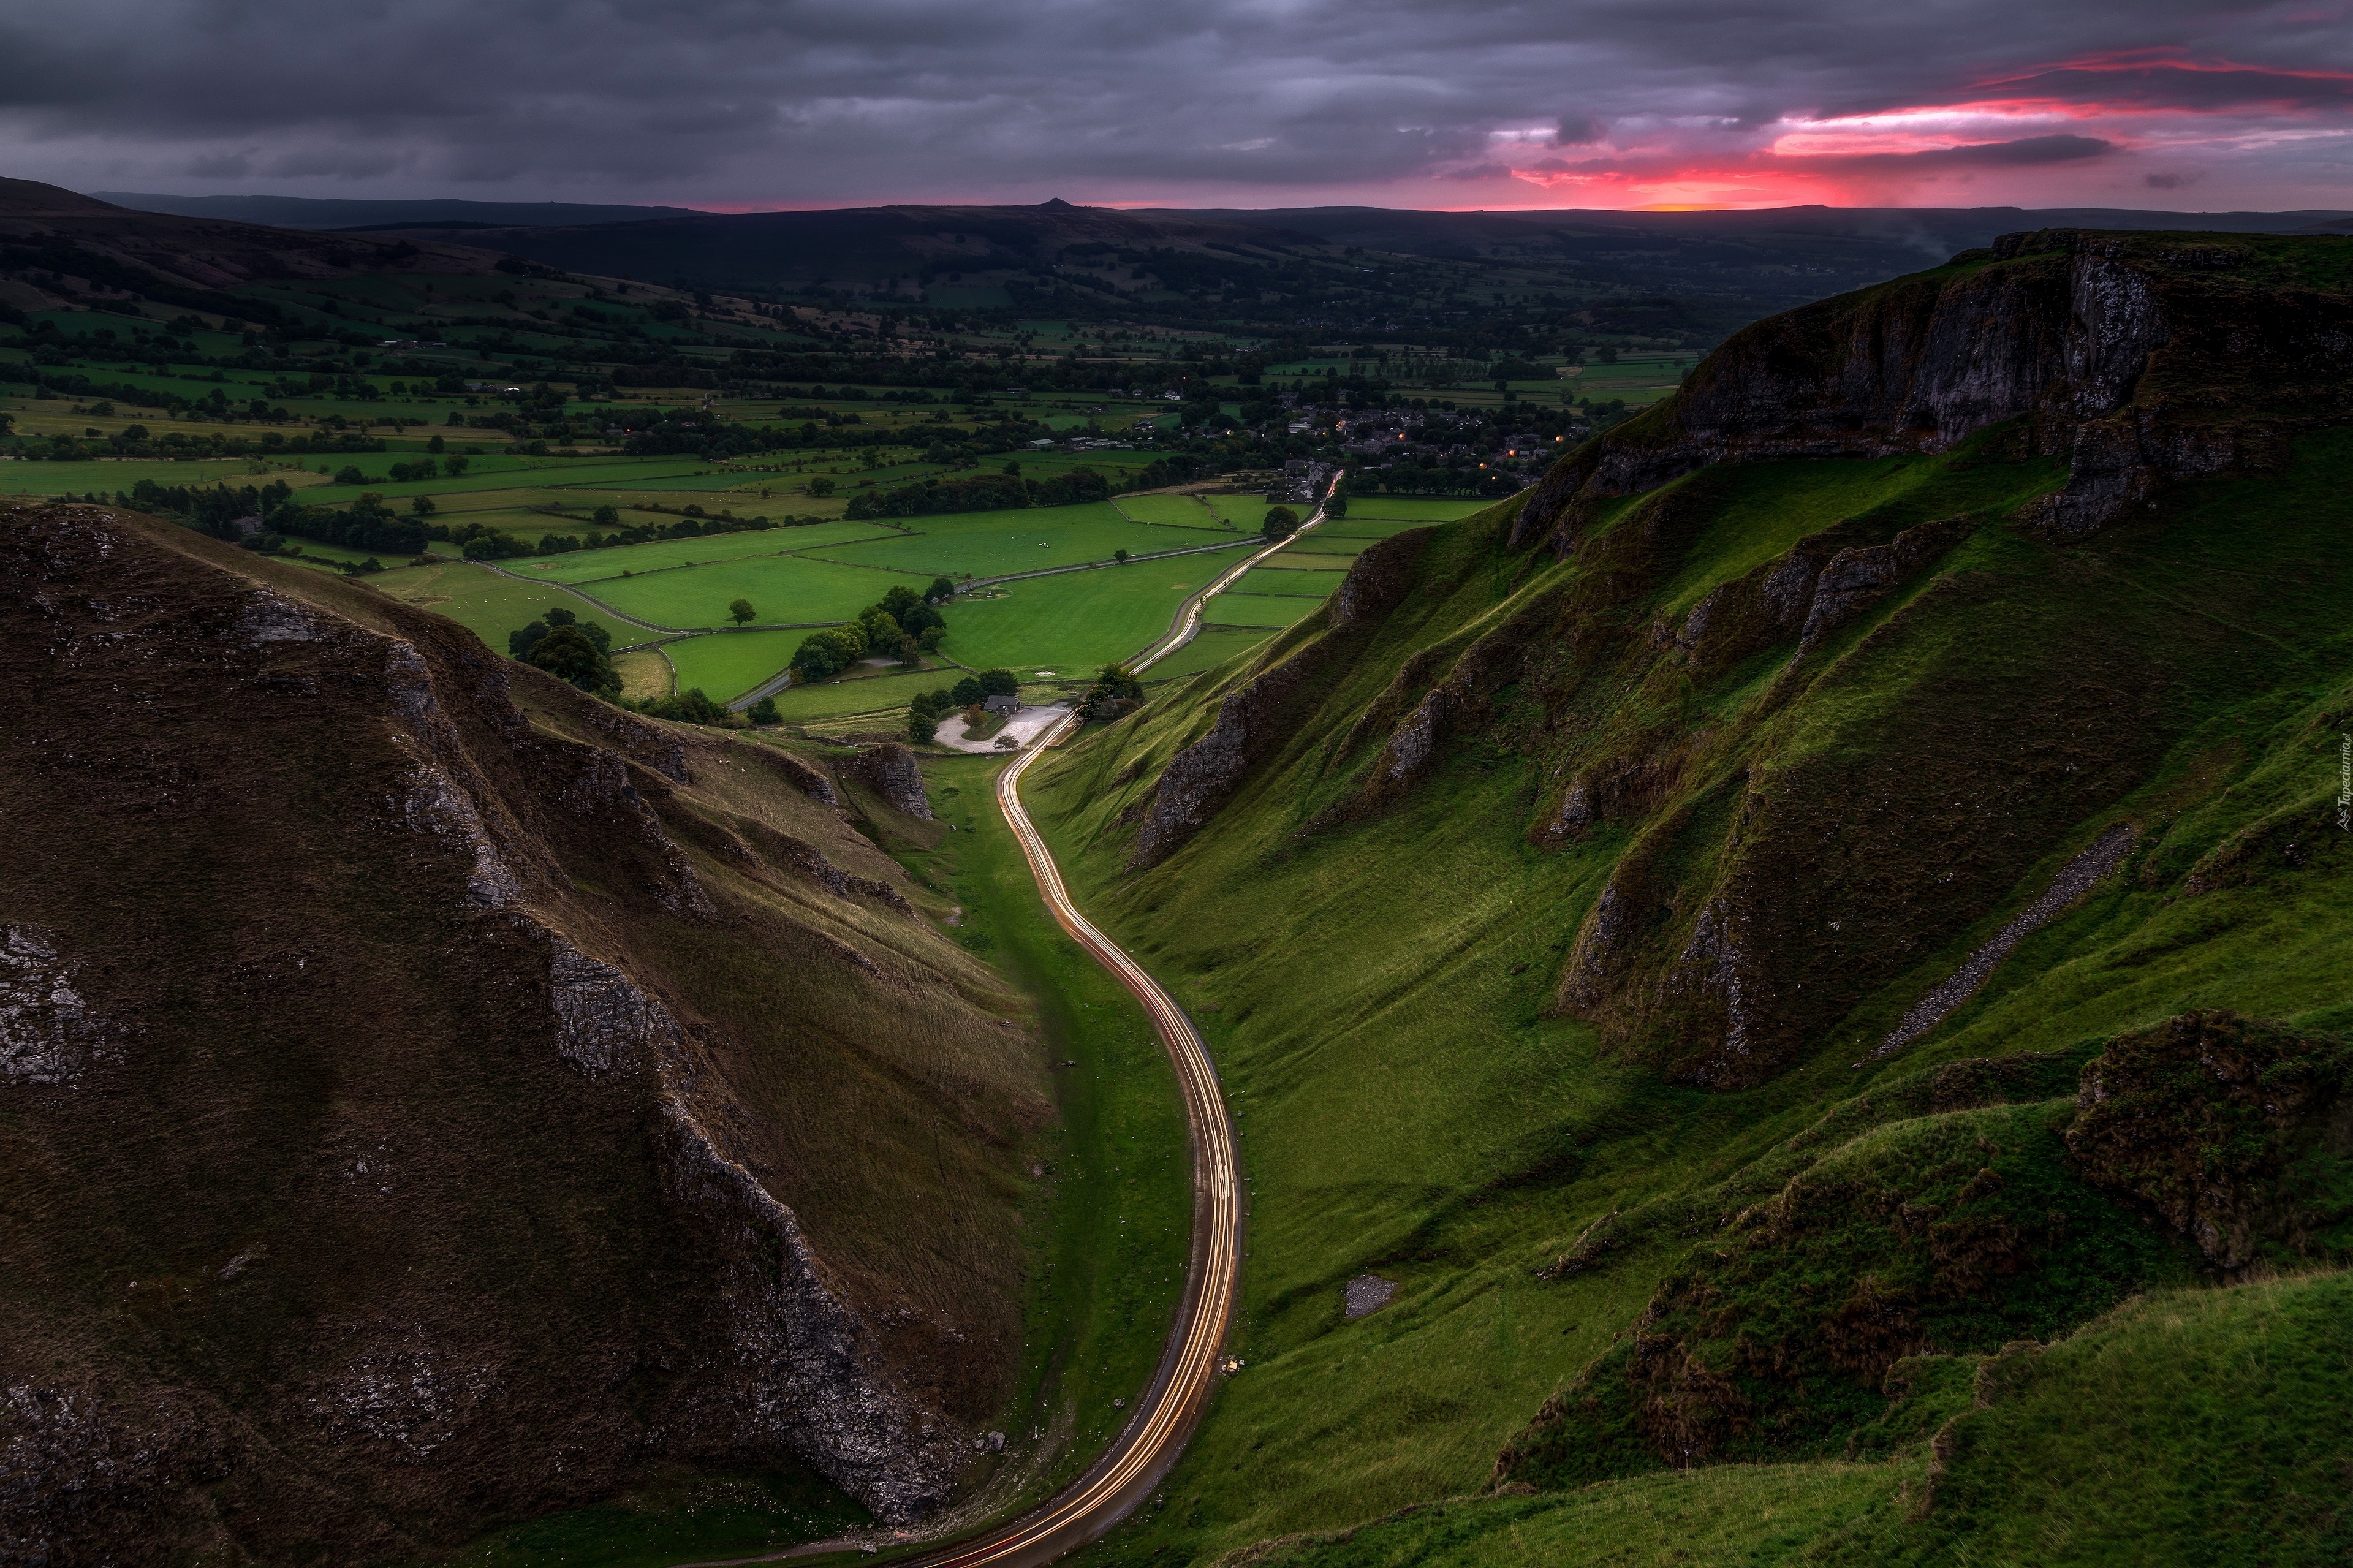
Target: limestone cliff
[(2121, 355)]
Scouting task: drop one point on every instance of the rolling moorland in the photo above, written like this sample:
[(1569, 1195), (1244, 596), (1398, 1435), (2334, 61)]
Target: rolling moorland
[(1809, 951), (1781, 987)]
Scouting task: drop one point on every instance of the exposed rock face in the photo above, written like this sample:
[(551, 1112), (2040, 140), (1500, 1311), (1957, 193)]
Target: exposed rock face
[(47, 1033), (810, 1384), (2109, 345), (1855, 579), (811, 781), (421, 970), (2239, 1133), (2075, 879), (602, 1019), (890, 770)]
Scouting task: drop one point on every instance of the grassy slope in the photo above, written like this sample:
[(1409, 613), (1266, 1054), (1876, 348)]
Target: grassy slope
[(1419, 1109), (2193, 1425)]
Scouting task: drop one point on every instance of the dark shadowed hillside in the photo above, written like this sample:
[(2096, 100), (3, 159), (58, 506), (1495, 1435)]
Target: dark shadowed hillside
[(430, 1097)]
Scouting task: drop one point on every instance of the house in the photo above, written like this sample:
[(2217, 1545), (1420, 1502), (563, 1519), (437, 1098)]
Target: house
[(1006, 706)]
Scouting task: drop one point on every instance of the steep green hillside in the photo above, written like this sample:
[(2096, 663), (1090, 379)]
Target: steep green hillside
[(2192, 1426), (1688, 929)]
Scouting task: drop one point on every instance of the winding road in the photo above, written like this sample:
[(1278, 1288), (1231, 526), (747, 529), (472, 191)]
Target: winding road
[(1155, 1438), (1148, 1447)]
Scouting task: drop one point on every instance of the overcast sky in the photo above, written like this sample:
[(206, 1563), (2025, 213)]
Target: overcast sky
[(1446, 103)]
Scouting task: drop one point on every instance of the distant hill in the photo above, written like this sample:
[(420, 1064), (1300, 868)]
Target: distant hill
[(1320, 267), (55, 243), (321, 212)]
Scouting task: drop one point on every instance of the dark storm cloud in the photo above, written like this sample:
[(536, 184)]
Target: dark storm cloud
[(789, 102), (2026, 150)]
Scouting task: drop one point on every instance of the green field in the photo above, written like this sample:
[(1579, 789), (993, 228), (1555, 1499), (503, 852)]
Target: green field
[(1212, 645), (789, 589), (1321, 543), (993, 543), (588, 565), (1413, 509), (867, 693), (1299, 559), (1266, 610), (1076, 620), (1179, 511), (1270, 579), (1248, 512), (726, 664), (490, 605)]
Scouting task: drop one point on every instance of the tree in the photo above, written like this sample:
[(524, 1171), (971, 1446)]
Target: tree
[(606, 516), (453, 466), (422, 506), (967, 692), (820, 486), (998, 683), (940, 592), (741, 611), (1279, 522), (1120, 556), (898, 601), (691, 707), (566, 653), (1338, 505), (763, 712)]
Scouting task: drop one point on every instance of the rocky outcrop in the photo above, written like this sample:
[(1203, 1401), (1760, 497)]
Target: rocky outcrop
[(2111, 348), (1253, 719), (890, 770), (2239, 1133), (808, 1382), (810, 781), (47, 1032), (2075, 879), (1853, 580)]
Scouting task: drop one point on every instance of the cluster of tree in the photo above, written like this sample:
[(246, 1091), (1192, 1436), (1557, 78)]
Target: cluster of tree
[(1281, 523), (904, 625), (367, 524), (982, 492), (1116, 691), (212, 510), (691, 706), (924, 713), (570, 649)]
